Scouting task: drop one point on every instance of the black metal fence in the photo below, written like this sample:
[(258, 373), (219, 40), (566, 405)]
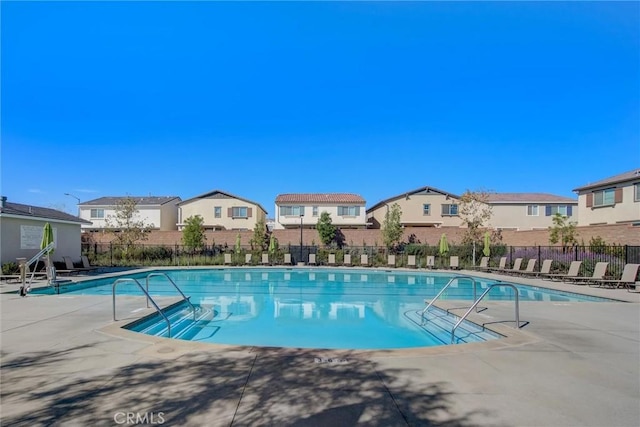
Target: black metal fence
[(113, 255)]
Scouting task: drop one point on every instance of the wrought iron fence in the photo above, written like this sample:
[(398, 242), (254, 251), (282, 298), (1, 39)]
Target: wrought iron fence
[(113, 255)]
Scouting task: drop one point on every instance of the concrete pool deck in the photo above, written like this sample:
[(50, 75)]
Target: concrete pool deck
[(65, 362)]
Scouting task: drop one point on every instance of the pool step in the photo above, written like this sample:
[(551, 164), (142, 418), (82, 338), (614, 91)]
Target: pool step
[(181, 319), (443, 321)]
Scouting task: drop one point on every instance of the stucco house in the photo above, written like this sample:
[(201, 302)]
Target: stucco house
[(422, 207), (222, 211), (528, 211), (160, 212), (21, 231), (612, 200), (304, 209)]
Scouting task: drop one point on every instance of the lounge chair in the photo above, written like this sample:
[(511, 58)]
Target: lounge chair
[(312, 259), (531, 266), (544, 270), (516, 267), (249, 257), (599, 272), (484, 264), (265, 259), (364, 260), (431, 261), (347, 259), (502, 265), (391, 260), (227, 259), (332, 259), (454, 263), (573, 273), (629, 275), (87, 265), (287, 259), (411, 261), (71, 268)]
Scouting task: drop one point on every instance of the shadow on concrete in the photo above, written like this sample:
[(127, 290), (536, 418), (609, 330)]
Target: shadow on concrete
[(292, 388)]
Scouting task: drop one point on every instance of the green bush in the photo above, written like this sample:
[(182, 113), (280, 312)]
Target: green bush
[(10, 268)]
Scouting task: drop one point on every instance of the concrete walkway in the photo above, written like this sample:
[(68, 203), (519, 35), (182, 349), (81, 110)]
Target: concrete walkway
[(65, 362)]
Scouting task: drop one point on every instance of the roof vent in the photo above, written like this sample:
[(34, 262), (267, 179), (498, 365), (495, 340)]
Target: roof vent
[(3, 201)]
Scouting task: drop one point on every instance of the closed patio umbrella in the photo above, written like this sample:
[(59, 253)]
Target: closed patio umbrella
[(273, 245), (238, 245), (444, 245), (486, 251)]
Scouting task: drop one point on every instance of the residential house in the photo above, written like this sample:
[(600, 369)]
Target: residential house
[(222, 211), (21, 231), (304, 209), (528, 211), (422, 207), (160, 213), (613, 200)]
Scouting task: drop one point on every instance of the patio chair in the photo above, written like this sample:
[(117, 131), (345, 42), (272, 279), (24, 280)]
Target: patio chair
[(484, 264), (599, 272), (531, 266), (248, 258), (574, 271), (502, 265), (347, 259), (544, 270), (431, 262), (87, 265), (287, 259), (391, 260), (227, 259), (71, 268), (454, 262), (364, 260), (628, 278), (312, 259), (63, 272), (265, 259), (411, 261), (516, 267)]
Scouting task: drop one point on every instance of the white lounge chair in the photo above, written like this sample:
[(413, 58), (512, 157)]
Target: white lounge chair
[(629, 275)]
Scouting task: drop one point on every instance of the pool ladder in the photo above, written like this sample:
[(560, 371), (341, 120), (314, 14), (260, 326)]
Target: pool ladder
[(476, 301), (146, 292)]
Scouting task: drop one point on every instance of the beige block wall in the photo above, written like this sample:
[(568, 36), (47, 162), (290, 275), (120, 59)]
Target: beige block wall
[(68, 239), (205, 208), (412, 210), (628, 210)]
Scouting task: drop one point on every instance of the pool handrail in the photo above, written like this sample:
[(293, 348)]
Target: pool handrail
[(184, 297), (457, 277), (489, 287), (128, 279)]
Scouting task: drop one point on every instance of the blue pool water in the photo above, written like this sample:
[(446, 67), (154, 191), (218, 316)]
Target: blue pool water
[(312, 308)]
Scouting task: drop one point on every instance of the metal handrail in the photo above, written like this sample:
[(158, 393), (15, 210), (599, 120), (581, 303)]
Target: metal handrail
[(193, 307), (517, 304), (166, 319), (443, 289)]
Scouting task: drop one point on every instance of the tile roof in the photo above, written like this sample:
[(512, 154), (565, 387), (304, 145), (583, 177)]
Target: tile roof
[(623, 177), (528, 198), (319, 198), (140, 200), (38, 212)]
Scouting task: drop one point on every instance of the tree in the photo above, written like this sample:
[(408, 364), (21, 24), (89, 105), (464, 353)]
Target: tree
[(125, 225), (475, 213), (563, 231), (193, 236), (260, 239), (391, 226), (326, 229)]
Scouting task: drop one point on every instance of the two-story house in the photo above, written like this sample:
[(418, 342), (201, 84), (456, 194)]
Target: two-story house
[(422, 207), (613, 200), (222, 211), (159, 212), (528, 211), (304, 210)]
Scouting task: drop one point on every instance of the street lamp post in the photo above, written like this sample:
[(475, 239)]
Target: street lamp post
[(77, 198), (301, 215)]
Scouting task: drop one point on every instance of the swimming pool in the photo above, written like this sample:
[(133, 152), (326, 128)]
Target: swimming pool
[(311, 308)]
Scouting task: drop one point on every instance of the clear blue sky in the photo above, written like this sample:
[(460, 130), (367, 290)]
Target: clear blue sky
[(257, 99)]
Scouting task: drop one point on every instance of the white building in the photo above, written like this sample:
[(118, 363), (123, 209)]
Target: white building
[(161, 213)]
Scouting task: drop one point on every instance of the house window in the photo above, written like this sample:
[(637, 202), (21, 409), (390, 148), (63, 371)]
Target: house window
[(450, 210), (291, 210), (348, 210), (315, 211), (426, 209), (217, 211), (562, 210), (637, 192), (239, 212), (97, 213), (532, 210), (604, 197)]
